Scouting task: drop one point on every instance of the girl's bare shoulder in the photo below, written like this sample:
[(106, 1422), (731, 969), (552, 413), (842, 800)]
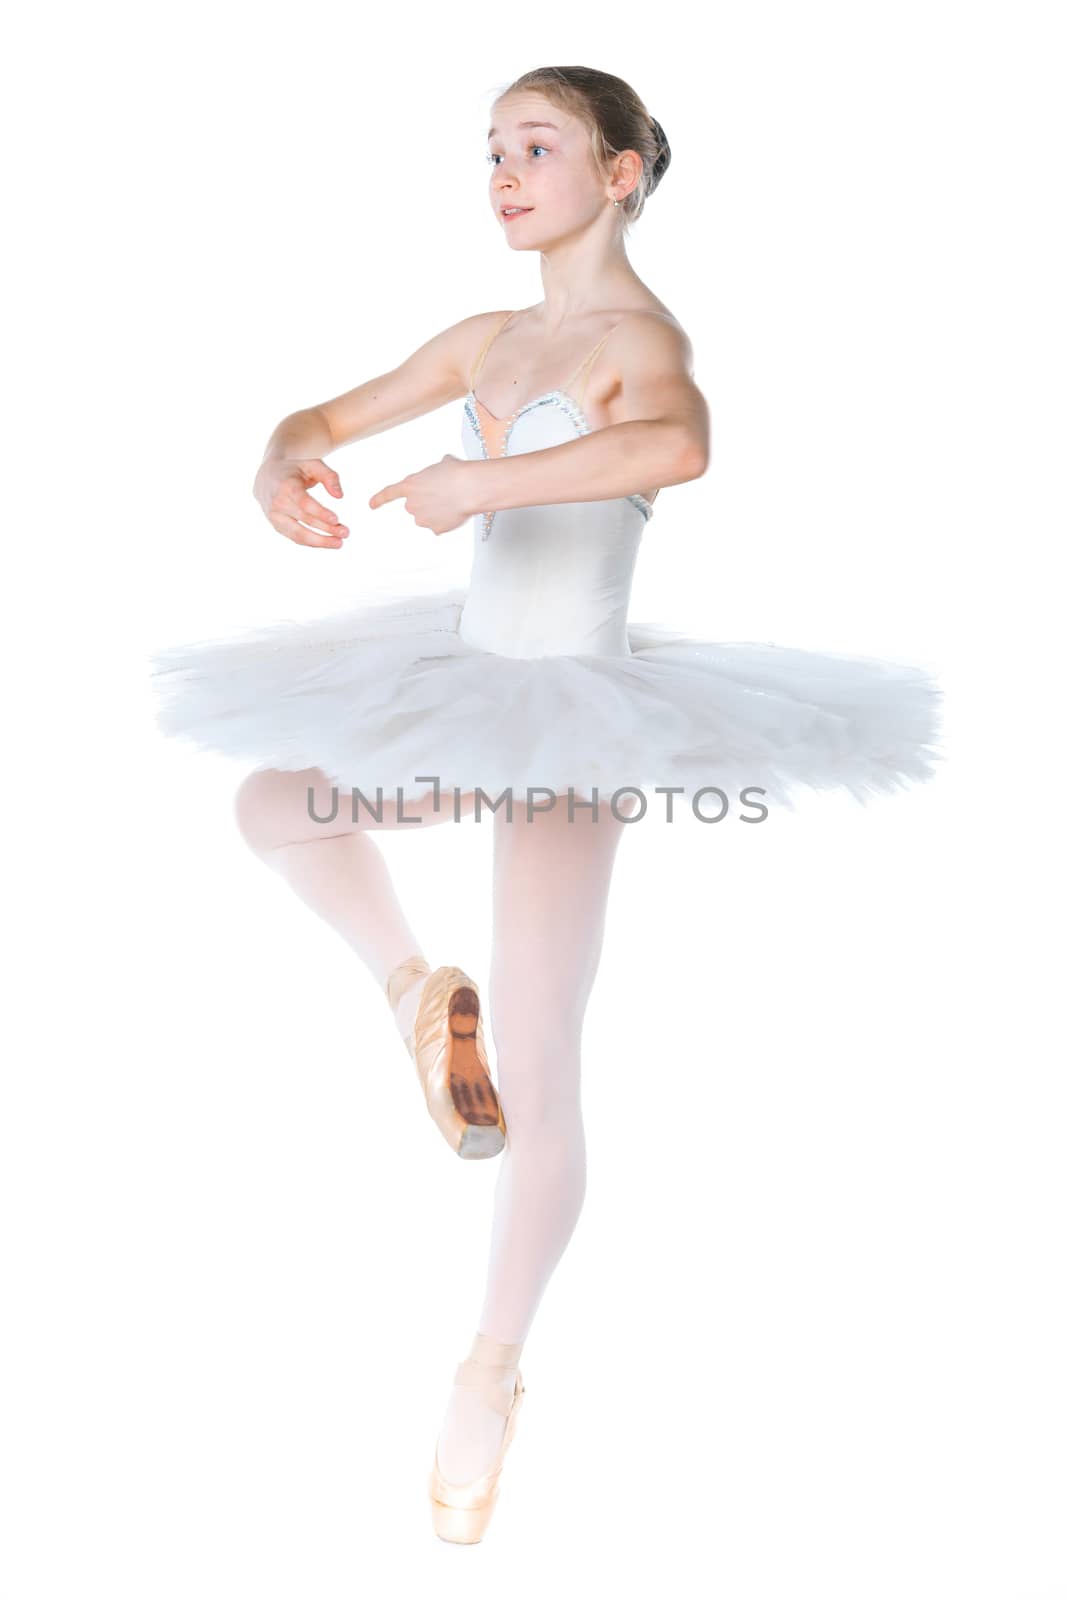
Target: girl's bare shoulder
[(652, 336)]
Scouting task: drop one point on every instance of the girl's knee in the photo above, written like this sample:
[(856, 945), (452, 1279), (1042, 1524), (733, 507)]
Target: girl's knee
[(534, 1020), (274, 808), (539, 1072), (262, 803), (544, 1114)]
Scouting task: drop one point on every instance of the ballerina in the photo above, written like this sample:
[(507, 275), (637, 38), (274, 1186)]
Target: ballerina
[(528, 690)]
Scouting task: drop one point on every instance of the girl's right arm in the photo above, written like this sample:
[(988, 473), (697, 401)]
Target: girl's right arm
[(432, 375)]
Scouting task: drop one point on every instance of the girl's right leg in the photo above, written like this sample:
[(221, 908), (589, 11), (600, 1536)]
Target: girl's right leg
[(334, 866), (551, 880)]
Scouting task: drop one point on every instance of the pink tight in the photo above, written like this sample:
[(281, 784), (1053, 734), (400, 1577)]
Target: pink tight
[(550, 889)]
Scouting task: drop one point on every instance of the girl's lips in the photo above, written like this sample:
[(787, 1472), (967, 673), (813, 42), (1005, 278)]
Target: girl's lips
[(523, 212)]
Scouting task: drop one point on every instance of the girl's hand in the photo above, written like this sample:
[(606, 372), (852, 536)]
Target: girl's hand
[(438, 497), (281, 488)]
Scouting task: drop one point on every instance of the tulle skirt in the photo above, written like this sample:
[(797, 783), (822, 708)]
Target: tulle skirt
[(389, 697)]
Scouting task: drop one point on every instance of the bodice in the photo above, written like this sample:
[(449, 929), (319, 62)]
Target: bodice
[(549, 579)]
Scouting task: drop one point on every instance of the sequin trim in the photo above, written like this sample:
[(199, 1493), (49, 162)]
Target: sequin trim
[(569, 407)]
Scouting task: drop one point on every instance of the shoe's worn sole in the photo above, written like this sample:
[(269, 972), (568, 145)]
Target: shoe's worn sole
[(473, 1094)]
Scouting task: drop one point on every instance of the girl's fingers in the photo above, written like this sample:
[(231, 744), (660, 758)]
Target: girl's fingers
[(324, 475), (308, 510), (296, 531), (392, 491)]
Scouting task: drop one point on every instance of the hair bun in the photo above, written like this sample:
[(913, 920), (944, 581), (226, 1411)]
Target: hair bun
[(663, 157)]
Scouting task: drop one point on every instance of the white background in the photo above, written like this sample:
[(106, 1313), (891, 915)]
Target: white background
[(808, 1336)]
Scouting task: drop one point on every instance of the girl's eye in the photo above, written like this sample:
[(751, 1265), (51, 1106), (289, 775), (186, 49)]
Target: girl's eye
[(492, 159)]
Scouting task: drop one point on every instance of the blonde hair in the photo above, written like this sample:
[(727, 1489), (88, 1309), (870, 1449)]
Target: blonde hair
[(616, 117)]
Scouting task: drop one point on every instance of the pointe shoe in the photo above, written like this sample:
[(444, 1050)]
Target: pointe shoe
[(461, 1511), (447, 1045)]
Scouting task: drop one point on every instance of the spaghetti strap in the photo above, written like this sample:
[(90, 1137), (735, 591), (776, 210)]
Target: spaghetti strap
[(587, 363), (486, 342)]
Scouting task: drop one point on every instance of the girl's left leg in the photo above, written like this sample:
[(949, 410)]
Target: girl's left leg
[(305, 828), (551, 878)]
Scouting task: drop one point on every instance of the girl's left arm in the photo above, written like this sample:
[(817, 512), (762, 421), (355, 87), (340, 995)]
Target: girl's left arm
[(664, 436)]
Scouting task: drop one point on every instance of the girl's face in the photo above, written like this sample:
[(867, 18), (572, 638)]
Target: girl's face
[(540, 159)]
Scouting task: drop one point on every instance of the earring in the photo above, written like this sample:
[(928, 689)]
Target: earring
[(614, 202)]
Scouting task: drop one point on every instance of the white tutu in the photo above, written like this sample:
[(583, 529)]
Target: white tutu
[(532, 677), (391, 696)]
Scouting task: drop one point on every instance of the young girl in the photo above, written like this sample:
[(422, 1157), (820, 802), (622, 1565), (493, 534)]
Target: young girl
[(528, 690)]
